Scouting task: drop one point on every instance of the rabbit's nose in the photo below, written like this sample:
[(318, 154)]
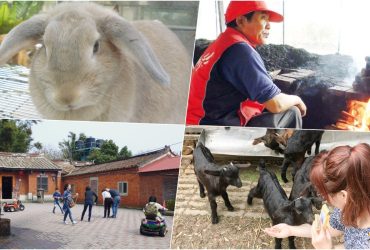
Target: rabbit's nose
[(68, 99)]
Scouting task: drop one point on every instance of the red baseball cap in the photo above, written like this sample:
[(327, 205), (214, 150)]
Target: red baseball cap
[(238, 8)]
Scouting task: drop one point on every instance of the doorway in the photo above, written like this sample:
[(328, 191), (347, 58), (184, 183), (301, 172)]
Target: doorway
[(7, 187)]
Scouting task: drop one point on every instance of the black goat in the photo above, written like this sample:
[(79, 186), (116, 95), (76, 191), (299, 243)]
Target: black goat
[(302, 187), (277, 204), (298, 144), (215, 178)]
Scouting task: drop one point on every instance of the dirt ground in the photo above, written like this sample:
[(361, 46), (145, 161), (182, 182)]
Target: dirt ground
[(241, 228)]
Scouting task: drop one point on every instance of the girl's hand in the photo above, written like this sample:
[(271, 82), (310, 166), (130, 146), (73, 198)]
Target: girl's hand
[(321, 238), (281, 230)]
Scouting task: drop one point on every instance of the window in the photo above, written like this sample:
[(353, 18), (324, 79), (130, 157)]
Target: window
[(123, 188), (94, 184), (42, 183)]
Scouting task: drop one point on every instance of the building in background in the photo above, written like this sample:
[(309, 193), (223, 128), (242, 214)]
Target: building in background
[(136, 178), (28, 177)]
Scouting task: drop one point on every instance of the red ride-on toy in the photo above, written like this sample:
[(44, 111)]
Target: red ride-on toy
[(15, 206)]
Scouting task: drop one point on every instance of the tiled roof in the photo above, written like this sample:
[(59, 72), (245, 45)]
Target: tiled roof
[(26, 161), (167, 162), (135, 161), (66, 166)]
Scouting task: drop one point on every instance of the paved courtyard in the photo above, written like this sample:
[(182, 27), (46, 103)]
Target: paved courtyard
[(38, 227)]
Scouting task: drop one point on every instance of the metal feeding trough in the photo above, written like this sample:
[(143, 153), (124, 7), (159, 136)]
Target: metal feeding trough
[(235, 143), (15, 99)]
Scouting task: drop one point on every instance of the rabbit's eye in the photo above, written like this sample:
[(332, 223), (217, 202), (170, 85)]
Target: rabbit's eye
[(96, 47)]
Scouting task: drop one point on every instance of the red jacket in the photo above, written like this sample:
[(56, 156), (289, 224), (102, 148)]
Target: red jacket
[(201, 74)]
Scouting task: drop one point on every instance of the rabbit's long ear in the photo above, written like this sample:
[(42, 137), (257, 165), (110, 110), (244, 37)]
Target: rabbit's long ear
[(123, 35), (23, 36)]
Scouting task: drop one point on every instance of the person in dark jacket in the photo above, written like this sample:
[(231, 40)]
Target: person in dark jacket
[(57, 196), (68, 201), (116, 200), (89, 201)]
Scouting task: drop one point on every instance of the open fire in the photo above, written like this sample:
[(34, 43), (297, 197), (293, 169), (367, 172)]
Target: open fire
[(357, 118)]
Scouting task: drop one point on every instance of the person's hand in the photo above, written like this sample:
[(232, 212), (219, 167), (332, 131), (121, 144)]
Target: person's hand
[(302, 107), (321, 238), (281, 230)]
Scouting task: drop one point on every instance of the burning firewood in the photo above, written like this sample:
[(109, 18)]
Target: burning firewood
[(356, 119)]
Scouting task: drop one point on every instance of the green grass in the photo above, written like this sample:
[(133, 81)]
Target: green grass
[(252, 173)]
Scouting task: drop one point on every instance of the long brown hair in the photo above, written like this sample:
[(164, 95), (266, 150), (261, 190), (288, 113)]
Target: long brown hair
[(345, 168)]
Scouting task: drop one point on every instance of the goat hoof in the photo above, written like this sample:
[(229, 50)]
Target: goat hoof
[(249, 201), (215, 220), (230, 208), (202, 195)]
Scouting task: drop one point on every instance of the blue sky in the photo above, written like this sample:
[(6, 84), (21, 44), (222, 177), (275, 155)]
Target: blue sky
[(138, 137)]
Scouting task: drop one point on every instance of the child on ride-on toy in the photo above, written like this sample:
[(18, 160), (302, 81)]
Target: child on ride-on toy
[(152, 209)]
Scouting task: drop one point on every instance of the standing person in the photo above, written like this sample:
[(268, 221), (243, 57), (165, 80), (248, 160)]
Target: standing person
[(342, 177), (116, 200), (107, 201), (57, 195), (89, 195), (68, 203), (230, 85)]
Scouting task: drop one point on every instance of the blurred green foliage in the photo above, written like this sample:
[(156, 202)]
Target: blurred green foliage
[(170, 205), (14, 12)]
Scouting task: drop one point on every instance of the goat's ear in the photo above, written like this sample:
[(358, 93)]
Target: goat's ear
[(23, 36), (125, 36), (213, 172)]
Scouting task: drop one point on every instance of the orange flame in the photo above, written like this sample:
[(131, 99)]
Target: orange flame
[(361, 115)]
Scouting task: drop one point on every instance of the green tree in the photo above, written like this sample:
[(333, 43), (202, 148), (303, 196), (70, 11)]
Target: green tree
[(68, 147), (107, 152), (109, 148), (98, 157), (15, 136), (82, 137), (124, 153)]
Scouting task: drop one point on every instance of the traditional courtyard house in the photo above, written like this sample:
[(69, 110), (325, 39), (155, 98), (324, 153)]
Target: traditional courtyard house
[(28, 176), (136, 178)]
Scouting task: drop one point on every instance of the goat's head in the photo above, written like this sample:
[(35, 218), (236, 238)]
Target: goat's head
[(229, 174), (310, 192), (300, 209)]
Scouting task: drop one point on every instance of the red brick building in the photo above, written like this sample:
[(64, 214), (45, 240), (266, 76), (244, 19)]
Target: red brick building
[(22, 175), (136, 178)]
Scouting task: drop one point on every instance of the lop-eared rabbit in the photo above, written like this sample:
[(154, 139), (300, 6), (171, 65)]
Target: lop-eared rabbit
[(95, 65)]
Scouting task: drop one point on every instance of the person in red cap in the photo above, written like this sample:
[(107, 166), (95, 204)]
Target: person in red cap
[(230, 85)]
